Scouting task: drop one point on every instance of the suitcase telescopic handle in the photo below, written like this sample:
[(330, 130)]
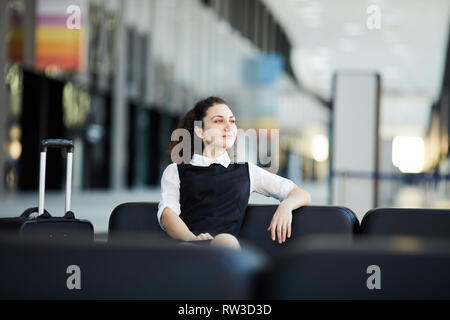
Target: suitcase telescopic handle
[(61, 144), (57, 143)]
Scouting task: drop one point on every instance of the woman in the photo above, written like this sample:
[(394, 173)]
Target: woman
[(206, 199)]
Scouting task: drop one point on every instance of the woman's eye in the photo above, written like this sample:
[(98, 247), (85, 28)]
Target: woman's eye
[(217, 121)]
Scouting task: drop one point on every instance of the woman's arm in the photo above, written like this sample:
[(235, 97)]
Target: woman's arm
[(170, 198), (297, 198), (177, 229), (280, 225), (291, 197)]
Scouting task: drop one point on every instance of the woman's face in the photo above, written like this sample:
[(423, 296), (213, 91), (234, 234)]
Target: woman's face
[(219, 127)]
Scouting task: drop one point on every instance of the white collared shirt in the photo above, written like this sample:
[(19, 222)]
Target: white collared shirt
[(261, 181)]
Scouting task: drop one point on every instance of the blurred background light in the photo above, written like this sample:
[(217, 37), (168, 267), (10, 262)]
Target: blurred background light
[(320, 148), (408, 154)]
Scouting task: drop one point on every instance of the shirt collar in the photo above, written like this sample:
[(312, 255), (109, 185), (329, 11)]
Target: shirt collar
[(199, 160)]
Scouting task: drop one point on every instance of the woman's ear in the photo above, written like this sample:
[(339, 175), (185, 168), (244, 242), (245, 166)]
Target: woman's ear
[(199, 132)]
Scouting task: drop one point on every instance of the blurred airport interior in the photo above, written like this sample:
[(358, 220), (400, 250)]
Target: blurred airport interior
[(359, 90)]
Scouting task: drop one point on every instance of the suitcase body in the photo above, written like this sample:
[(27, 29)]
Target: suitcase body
[(45, 226), (48, 228)]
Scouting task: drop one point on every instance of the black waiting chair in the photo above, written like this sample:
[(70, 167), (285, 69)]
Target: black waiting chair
[(308, 220), (134, 219), (406, 221), (139, 219), (332, 268), (125, 270)]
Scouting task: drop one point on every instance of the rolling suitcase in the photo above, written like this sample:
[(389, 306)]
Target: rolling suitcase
[(44, 226)]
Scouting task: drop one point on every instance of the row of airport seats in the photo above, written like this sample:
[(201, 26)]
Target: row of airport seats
[(391, 254), (139, 218)]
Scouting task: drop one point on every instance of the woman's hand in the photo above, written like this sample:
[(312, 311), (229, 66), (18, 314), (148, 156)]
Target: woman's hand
[(202, 236), (281, 222), (280, 225)]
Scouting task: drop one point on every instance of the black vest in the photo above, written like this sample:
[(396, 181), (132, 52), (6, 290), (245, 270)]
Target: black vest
[(213, 199)]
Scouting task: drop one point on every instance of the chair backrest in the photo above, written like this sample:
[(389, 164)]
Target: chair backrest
[(308, 220), (382, 268), (407, 221), (137, 218), (122, 271)]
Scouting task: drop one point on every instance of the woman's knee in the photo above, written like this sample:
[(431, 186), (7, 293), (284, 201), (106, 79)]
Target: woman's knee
[(226, 240)]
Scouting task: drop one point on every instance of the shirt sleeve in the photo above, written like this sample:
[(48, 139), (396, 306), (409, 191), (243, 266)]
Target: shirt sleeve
[(269, 184), (170, 191)]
